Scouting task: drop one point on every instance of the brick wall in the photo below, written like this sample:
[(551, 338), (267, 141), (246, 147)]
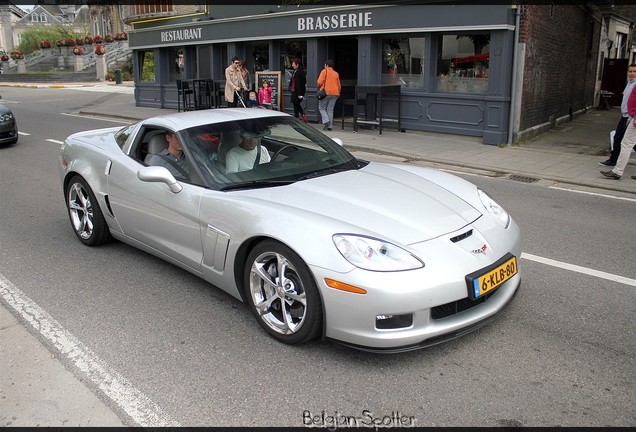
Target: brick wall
[(561, 55)]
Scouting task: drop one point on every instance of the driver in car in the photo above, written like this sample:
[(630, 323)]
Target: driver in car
[(243, 156), (172, 157)]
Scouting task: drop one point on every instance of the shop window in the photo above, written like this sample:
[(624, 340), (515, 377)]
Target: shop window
[(463, 63), (147, 66), (257, 57), (177, 63), (403, 61), (289, 50)]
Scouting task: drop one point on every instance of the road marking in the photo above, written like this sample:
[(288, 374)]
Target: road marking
[(23, 133), (85, 116), (54, 141), (121, 391), (579, 269), (594, 193)]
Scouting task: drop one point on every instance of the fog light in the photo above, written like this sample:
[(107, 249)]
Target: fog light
[(390, 322)]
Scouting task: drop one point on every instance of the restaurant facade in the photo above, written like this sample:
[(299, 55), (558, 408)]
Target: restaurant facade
[(453, 63)]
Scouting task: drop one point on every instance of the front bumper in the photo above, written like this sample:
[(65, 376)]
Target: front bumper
[(351, 319)]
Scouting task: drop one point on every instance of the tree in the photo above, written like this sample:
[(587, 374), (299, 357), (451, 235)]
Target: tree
[(31, 37)]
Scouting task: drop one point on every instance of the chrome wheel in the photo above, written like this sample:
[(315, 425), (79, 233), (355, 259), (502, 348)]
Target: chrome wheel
[(81, 211), (282, 293), (86, 217)]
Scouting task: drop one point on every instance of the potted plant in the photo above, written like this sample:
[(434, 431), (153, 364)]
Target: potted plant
[(78, 50), (17, 55), (79, 41), (88, 40), (45, 44), (59, 43), (100, 50), (108, 38), (69, 42), (98, 39), (4, 57)]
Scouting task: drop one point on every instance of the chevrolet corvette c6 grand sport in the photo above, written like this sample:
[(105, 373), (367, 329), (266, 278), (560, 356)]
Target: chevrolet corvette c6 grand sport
[(317, 243)]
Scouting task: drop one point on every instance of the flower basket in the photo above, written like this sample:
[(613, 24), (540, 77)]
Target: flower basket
[(100, 50), (45, 44), (78, 50), (4, 57), (121, 36), (59, 43), (17, 55), (98, 39), (69, 42), (108, 38), (88, 40), (79, 41)]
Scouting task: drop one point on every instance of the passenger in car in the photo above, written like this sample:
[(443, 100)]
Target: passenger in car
[(243, 157)]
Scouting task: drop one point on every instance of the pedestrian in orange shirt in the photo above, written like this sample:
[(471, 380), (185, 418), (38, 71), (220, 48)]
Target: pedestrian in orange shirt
[(330, 81)]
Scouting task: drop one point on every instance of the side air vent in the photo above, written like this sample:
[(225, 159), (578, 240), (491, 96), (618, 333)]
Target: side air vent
[(462, 236)]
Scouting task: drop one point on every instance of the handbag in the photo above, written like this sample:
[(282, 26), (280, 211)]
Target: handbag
[(322, 93)]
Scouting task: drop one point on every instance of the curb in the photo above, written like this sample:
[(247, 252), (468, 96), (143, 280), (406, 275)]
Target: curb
[(20, 85)]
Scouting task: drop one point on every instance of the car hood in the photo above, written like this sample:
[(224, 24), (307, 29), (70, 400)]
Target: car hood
[(379, 199), (4, 109)]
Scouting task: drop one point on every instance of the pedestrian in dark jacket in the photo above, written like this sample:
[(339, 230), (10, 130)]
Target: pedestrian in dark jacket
[(297, 86)]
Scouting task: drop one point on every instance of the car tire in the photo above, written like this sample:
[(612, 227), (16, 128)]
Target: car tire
[(288, 308), (87, 219)]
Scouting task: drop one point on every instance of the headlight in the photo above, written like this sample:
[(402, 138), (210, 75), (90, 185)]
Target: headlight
[(375, 255), (6, 117), (494, 208)]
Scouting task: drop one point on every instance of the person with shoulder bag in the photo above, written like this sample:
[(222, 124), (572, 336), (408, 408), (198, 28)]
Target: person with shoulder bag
[(329, 81)]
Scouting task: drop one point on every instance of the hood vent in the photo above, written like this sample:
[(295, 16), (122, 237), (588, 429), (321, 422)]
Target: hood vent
[(462, 236)]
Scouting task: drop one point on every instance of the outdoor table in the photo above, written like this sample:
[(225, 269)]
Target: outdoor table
[(380, 92)]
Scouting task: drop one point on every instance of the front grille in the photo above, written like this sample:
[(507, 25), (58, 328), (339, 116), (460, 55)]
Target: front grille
[(9, 134), (458, 306)]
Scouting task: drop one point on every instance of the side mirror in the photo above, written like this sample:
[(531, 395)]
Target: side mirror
[(160, 175), (338, 141)]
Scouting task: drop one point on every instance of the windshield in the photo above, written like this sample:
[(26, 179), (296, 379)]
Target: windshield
[(263, 152)]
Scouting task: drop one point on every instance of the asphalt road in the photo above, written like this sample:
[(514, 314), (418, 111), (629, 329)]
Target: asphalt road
[(563, 354)]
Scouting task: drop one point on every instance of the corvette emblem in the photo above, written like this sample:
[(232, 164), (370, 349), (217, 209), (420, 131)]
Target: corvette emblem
[(481, 250)]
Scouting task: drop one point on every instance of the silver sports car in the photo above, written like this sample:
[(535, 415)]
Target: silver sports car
[(381, 257)]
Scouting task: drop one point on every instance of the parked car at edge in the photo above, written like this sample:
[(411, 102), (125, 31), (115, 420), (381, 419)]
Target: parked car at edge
[(8, 126), (318, 243)]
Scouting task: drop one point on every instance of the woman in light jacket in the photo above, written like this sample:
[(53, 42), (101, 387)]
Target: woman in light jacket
[(330, 80), (233, 82)]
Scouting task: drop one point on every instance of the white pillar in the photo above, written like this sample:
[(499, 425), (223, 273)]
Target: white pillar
[(101, 68), (21, 66), (78, 66)]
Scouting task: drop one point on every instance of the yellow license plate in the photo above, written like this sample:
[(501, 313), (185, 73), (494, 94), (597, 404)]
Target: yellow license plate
[(484, 281)]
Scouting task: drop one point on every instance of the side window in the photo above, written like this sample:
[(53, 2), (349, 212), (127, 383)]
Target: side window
[(122, 135)]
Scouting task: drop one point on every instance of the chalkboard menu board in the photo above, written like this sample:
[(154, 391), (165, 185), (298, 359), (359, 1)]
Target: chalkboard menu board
[(274, 79)]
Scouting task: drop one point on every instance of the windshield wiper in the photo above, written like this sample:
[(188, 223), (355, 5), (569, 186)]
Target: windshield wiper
[(255, 184), (323, 172)]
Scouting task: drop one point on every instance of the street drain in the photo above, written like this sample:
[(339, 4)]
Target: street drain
[(523, 179)]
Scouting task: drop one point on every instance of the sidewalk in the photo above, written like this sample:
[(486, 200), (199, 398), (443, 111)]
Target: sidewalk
[(35, 389)]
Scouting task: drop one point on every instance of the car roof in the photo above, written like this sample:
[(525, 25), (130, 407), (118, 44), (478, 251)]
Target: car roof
[(185, 120)]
